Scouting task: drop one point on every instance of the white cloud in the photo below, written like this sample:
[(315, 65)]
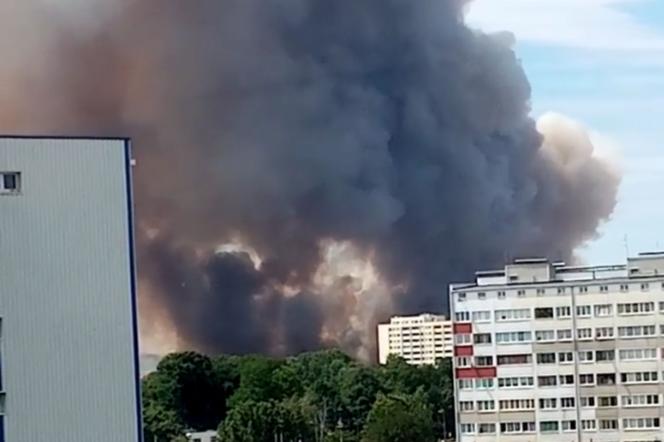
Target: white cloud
[(590, 24)]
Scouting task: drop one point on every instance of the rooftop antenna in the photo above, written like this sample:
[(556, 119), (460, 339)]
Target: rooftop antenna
[(626, 239)]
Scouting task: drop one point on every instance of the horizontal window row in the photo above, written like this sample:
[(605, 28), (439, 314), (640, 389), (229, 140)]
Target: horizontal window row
[(566, 357), (559, 312), (628, 424), (587, 379), (638, 400), (545, 291)]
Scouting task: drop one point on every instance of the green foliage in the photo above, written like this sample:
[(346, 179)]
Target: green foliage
[(399, 418), (252, 421), (322, 396)]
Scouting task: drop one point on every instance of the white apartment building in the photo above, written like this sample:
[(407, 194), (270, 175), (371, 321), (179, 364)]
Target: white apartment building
[(421, 339), (546, 352), (67, 292)]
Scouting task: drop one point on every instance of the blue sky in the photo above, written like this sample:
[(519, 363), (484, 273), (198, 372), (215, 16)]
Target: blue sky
[(600, 62)]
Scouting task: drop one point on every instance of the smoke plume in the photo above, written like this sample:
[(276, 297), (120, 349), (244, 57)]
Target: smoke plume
[(305, 167)]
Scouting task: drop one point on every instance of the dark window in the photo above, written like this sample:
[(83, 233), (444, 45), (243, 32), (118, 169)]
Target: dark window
[(544, 312), (606, 379), (10, 181)]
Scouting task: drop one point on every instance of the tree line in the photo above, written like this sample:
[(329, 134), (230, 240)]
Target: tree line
[(321, 396)]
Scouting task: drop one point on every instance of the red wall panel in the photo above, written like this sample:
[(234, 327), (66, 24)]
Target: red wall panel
[(463, 350), (462, 328)]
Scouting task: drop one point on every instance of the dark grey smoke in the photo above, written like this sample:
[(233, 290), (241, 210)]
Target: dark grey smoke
[(284, 125)]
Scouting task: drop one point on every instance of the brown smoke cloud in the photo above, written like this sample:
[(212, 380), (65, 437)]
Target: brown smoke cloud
[(305, 167)]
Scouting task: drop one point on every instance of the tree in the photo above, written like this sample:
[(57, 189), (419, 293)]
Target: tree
[(186, 384), (252, 421), (160, 424), (358, 389), (399, 418)]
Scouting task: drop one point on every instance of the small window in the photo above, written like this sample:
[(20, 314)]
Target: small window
[(10, 182), (501, 295), (481, 295), (521, 293), (624, 287)]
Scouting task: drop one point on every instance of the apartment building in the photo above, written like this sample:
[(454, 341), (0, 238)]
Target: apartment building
[(68, 344), (421, 339), (548, 352)]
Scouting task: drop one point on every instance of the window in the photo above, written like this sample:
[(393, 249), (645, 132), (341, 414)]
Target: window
[(546, 381), (563, 312), (661, 306), (586, 356), (567, 402), (513, 337), (486, 405), (583, 310), (10, 182), (608, 424), (548, 404), (501, 295), (603, 310), (482, 338), (588, 424), (462, 316), (546, 358), (624, 287), (645, 287), (588, 401), (587, 379), (543, 312), (466, 405), (468, 428), (638, 377), (481, 295), (566, 379), (463, 362), (513, 314), (604, 332), (568, 425), (636, 308), (517, 427), (561, 290), (636, 331), (583, 289), (461, 297), (514, 359), (464, 339), (486, 428), (640, 400), (483, 384), (606, 379), (541, 292), (545, 335), (549, 426), (607, 401), (641, 423), (584, 333), (566, 357), (484, 361), (515, 382), (603, 288), (637, 354), (482, 316), (564, 335), (605, 355), (520, 293), (465, 384), (517, 404)]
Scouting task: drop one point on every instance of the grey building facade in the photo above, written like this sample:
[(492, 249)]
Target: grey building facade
[(68, 336)]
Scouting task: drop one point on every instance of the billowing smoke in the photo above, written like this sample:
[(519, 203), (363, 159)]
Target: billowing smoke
[(305, 167)]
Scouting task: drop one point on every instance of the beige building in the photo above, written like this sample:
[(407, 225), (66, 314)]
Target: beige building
[(421, 339)]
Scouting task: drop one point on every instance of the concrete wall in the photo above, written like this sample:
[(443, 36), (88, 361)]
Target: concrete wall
[(66, 293)]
